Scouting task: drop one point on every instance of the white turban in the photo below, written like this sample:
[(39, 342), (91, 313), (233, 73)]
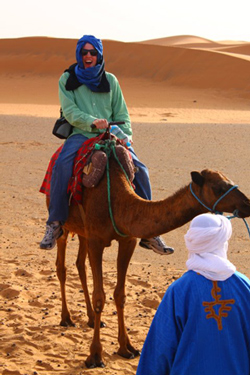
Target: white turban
[(207, 244)]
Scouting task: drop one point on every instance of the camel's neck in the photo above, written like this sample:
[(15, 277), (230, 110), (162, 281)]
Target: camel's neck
[(145, 219)]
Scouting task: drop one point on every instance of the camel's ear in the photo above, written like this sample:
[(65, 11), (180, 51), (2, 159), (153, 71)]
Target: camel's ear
[(197, 178)]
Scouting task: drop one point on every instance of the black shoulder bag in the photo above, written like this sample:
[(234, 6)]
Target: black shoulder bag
[(62, 128)]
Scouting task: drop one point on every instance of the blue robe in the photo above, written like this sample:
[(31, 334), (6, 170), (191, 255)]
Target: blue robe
[(201, 327)]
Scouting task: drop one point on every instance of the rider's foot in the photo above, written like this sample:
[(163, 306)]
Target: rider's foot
[(157, 245), (53, 232)]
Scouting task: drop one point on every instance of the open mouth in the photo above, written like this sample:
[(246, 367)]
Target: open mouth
[(88, 63)]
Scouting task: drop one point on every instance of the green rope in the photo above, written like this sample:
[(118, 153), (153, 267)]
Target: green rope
[(108, 147), (109, 201)]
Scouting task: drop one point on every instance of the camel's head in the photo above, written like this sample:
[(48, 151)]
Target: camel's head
[(210, 186)]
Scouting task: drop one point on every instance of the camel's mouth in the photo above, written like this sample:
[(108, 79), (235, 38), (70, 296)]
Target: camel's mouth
[(242, 215), (244, 212)]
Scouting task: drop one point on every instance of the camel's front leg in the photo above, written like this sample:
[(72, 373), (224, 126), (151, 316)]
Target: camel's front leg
[(61, 274), (95, 251), (81, 266), (126, 249)]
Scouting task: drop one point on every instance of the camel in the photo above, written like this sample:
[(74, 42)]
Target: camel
[(135, 218)]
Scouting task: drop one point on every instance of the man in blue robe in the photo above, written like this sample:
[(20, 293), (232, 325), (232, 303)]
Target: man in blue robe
[(202, 326)]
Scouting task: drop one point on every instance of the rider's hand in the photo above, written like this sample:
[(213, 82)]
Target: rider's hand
[(101, 123), (123, 142)]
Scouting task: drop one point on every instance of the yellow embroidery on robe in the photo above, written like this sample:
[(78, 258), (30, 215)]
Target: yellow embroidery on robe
[(222, 306)]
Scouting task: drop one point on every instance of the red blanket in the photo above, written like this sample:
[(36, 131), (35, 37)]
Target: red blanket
[(75, 183)]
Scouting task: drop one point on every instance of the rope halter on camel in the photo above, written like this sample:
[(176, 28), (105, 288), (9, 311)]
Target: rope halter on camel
[(214, 211)]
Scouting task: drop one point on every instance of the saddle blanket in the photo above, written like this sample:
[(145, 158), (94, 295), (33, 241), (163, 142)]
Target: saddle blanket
[(75, 183)]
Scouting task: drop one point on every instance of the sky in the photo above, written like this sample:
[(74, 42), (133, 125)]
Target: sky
[(127, 20)]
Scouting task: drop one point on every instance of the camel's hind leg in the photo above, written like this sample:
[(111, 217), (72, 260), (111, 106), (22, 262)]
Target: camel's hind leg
[(95, 252), (81, 266), (126, 249), (61, 274)]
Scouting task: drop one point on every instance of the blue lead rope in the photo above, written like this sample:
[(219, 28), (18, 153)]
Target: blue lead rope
[(203, 204), (235, 213)]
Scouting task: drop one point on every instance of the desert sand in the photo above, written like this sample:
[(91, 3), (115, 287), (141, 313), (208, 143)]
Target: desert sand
[(189, 103)]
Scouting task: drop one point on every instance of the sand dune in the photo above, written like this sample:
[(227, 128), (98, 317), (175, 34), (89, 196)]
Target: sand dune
[(235, 49), (178, 80), (182, 40), (243, 49), (181, 67), (188, 98), (190, 41), (167, 65)]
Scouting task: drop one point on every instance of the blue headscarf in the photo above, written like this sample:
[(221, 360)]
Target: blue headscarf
[(92, 76)]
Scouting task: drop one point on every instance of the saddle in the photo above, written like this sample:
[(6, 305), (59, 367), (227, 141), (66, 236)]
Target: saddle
[(90, 164), (96, 165)]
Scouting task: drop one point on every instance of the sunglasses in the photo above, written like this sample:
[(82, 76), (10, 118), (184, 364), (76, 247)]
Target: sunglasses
[(93, 52)]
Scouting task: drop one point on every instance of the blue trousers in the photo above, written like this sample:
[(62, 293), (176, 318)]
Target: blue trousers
[(62, 172)]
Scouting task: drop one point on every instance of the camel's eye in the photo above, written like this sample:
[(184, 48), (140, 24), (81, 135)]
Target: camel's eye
[(220, 189)]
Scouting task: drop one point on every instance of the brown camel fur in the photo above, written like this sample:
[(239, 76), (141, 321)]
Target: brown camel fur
[(137, 218)]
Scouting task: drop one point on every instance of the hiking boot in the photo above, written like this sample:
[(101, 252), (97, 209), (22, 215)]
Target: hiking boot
[(53, 232), (157, 245)]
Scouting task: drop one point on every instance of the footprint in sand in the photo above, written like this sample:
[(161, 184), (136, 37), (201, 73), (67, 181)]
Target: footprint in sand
[(151, 303), (9, 293), (22, 272), (136, 281)]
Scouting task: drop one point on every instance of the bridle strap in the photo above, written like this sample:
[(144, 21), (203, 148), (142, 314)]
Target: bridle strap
[(198, 199), (224, 195), (215, 204), (235, 213)]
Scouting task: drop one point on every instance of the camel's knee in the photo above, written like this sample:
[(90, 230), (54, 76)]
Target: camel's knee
[(82, 254), (61, 271), (98, 306), (62, 276), (80, 265), (98, 302)]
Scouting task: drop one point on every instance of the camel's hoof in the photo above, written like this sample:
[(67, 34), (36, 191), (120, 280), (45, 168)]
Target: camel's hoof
[(137, 353), (129, 354), (133, 350), (92, 325), (126, 355), (91, 363), (67, 323)]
